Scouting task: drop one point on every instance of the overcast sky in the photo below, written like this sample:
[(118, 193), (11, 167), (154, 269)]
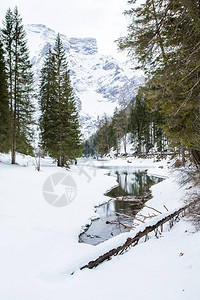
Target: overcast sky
[(102, 19)]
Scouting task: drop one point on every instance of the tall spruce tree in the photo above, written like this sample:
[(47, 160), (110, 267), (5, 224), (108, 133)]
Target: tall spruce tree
[(90, 146), (103, 136), (47, 102), (4, 105), (145, 124), (60, 133), (120, 126), (164, 35), (20, 83)]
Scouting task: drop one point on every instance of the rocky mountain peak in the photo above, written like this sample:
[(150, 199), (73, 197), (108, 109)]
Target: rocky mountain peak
[(100, 82)]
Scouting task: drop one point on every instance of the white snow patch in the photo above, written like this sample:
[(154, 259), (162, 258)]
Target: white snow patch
[(39, 243)]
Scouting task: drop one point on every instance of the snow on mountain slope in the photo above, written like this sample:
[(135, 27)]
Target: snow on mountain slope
[(100, 82)]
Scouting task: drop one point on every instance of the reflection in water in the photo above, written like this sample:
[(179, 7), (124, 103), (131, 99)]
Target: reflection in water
[(133, 187), (134, 184)]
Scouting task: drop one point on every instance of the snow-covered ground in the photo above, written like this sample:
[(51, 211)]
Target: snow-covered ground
[(39, 242)]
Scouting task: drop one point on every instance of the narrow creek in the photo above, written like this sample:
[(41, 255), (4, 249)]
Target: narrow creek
[(127, 198)]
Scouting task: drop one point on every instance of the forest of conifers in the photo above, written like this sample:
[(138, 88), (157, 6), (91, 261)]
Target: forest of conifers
[(164, 38)]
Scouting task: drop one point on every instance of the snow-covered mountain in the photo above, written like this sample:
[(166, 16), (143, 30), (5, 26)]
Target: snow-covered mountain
[(100, 82)]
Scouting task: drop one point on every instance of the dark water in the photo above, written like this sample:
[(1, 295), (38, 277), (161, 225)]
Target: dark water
[(135, 183), (128, 198)]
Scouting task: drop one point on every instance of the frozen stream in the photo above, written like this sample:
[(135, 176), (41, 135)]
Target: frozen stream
[(127, 198)]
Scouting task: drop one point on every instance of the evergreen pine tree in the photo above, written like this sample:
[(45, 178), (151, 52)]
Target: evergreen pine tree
[(103, 136), (4, 106), (59, 123), (20, 83), (164, 35), (90, 146), (47, 103), (117, 129)]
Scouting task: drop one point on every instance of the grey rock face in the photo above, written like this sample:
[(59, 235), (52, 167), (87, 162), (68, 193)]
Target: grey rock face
[(100, 82)]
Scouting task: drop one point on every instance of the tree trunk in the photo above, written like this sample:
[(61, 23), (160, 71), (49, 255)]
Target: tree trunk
[(15, 106), (14, 133), (196, 157), (59, 163), (11, 97), (183, 154), (160, 39), (124, 142), (63, 161), (13, 154)]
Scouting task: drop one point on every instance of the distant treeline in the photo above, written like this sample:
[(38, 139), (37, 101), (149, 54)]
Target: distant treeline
[(164, 37), (136, 119)]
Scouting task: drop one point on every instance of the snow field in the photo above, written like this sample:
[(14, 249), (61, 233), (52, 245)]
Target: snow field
[(39, 242)]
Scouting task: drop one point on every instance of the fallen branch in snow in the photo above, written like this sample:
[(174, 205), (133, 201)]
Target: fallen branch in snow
[(173, 217), (123, 215), (120, 223), (147, 217), (166, 207), (152, 208), (134, 218)]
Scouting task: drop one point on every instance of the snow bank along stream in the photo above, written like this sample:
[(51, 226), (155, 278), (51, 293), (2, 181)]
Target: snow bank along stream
[(127, 199)]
